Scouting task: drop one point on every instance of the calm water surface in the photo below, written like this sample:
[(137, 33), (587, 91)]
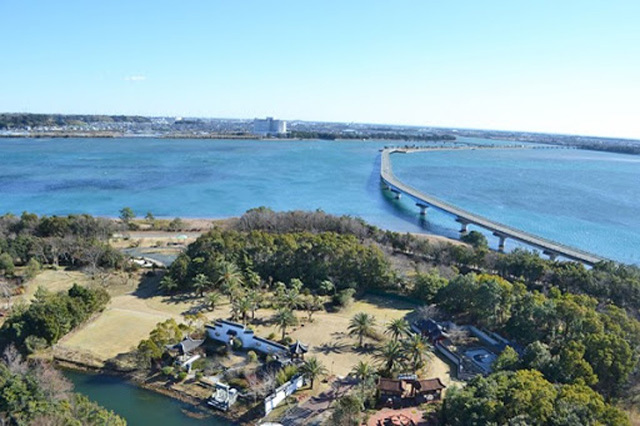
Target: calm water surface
[(587, 199), (139, 407)]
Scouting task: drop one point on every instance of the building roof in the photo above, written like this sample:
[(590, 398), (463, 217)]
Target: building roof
[(430, 328), (187, 345), (390, 385), (298, 348), (426, 385)]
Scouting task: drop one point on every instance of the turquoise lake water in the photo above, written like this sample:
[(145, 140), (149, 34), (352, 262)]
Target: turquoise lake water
[(587, 199)]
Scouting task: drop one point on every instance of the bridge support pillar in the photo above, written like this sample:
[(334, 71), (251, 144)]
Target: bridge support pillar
[(464, 226), (502, 239), (398, 193), (423, 209), (552, 255)]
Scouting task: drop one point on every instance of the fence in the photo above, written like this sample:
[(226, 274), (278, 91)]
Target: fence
[(273, 400)]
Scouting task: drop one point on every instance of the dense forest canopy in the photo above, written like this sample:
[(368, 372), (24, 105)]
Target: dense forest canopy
[(575, 327)]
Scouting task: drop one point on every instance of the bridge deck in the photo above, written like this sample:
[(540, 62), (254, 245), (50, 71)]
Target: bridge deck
[(464, 216)]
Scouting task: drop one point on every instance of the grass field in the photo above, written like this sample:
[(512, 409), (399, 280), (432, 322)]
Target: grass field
[(329, 341)]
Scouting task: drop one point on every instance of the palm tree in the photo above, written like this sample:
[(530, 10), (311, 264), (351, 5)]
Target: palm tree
[(416, 351), (390, 355), (200, 283), (290, 299), (361, 325), (255, 297), (241, 307), (229, 278), (168, 284), (364, 372), (213, 300), (397, 328), (285, 318), (312, 368)]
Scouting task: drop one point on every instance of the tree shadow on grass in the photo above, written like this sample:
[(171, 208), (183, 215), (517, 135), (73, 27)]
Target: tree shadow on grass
[(331, 348)]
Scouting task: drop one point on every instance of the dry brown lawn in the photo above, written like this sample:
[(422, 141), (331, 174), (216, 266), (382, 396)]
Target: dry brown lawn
[(329, 341), (54, 281)]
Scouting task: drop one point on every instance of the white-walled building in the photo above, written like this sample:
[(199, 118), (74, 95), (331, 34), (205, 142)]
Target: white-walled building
[(269, 126)]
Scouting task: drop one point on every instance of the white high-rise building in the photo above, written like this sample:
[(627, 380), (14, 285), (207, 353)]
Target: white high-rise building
[(269, 126)]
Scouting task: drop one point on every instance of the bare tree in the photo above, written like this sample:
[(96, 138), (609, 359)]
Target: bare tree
[(52, 382), (429, 312), (459, 336), (14, 361)]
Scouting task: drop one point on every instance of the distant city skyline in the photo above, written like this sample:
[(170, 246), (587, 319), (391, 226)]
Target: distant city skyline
[(567, 67)]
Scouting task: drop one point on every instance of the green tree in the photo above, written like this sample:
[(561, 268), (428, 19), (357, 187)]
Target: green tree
[(312, 369), (397, 328), (426, 286), (127, 215), (417, 350), (390, 355), (364, 372), (361, 325), (213, 299), (6, 264), (508, 360), (255, 298), (200, 284), (476, 239), (229, 278), (168, 284), (312, 304), (285, 318), (348, 411), (612, 361), (32, 269), (176, 224), (241, 307), (326, 287)]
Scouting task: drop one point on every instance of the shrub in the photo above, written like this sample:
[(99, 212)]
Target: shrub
[(182, 375), (253, 357), (344, 298), (167, 371), (236, 344), (284, 375)]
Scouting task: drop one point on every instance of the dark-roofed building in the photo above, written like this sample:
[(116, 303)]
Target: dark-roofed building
[(390, 387), (298, 349), (187, 346), (409, 391), (429, 388), (430, 329)]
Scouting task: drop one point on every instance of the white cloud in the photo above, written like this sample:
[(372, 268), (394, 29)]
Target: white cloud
[(135, 78)]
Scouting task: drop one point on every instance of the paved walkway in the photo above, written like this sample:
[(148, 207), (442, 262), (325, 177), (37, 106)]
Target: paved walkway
[(317, 405)]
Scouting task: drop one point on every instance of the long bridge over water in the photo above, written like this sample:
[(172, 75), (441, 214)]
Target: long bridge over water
[(465, 218)]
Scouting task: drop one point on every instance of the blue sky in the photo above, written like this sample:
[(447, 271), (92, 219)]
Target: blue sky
[(556, 66)]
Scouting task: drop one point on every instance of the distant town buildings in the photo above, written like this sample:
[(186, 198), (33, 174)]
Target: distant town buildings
[(269, 126)]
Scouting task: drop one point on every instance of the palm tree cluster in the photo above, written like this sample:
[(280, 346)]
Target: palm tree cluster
[(406, 350), (403, 351), (288, 299)]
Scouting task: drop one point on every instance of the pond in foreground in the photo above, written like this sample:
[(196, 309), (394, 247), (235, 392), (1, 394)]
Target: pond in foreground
[(137, 406)]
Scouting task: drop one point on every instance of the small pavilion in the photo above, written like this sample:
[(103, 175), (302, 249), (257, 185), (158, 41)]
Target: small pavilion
[(297, 350)]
